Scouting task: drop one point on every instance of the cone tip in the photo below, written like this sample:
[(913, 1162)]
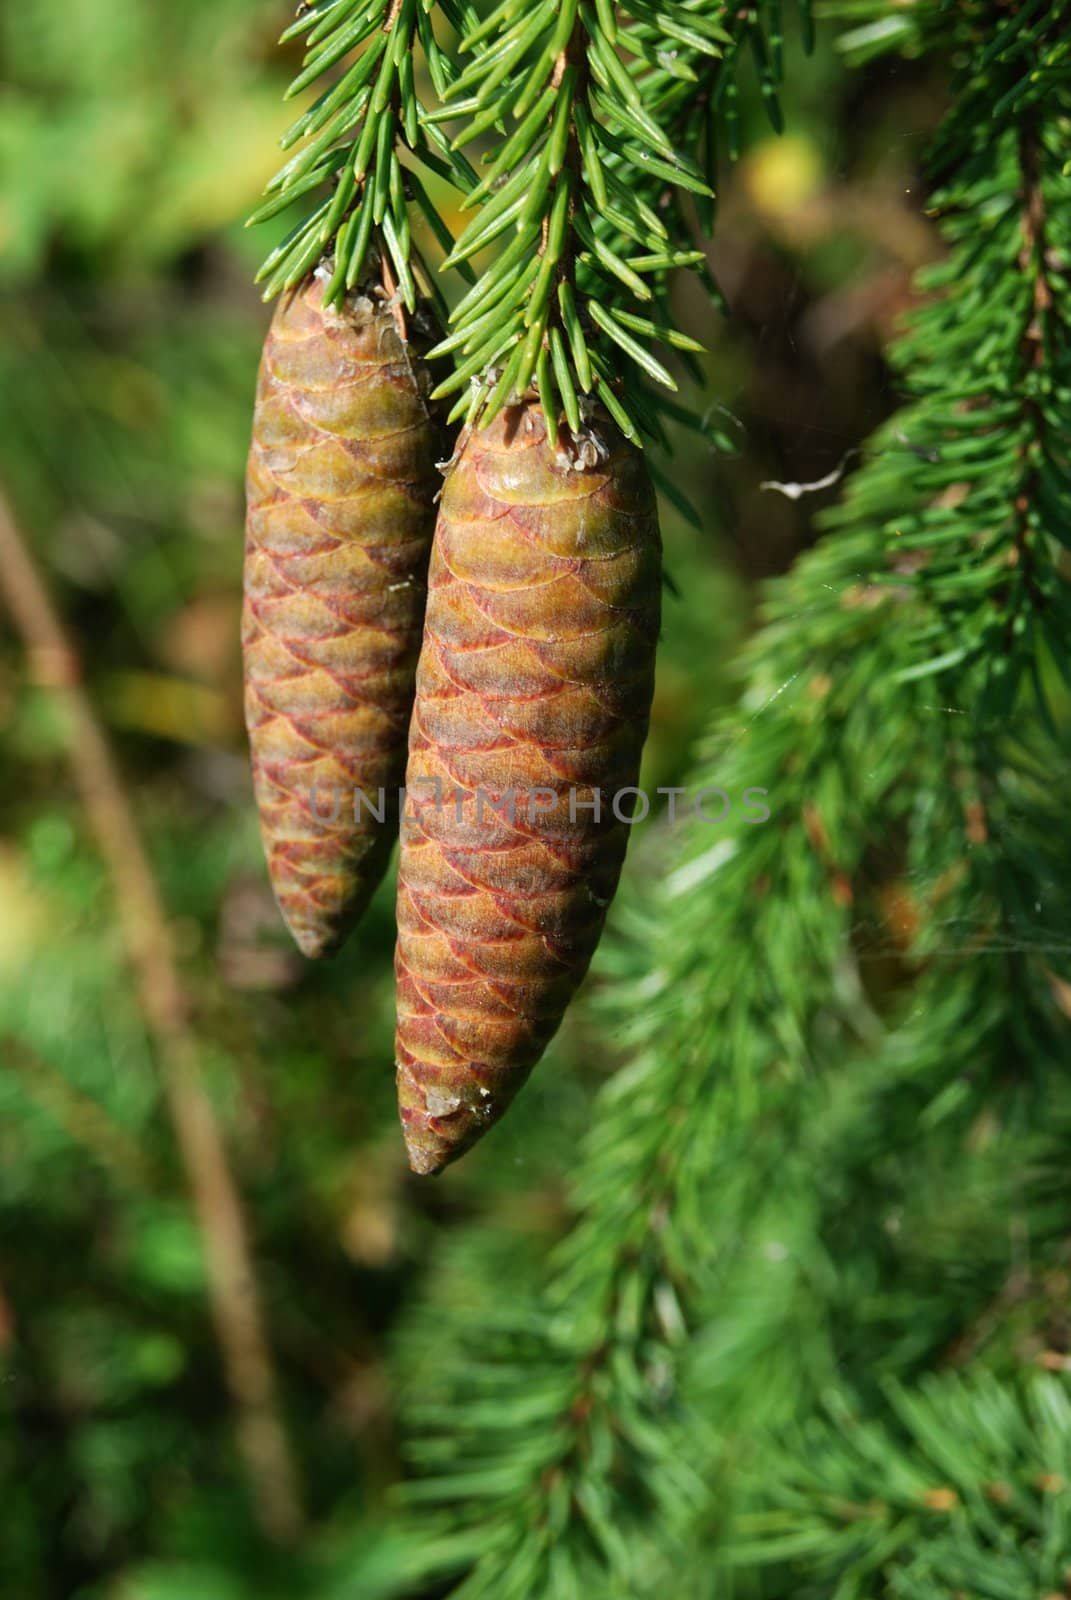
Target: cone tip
[(315, 942), (426, 1163)]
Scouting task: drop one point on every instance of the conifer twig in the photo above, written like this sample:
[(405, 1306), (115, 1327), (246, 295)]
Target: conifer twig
[(233, 1291), (608, 1407), (349, 143), (579, 245)]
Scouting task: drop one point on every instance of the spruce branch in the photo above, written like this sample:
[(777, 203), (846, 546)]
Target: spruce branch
[(939, 589), (606, 117), (351, 141), (961, 1491), (695, 98), (597, 1462), (596, 107), (565, 84), (989, 357)]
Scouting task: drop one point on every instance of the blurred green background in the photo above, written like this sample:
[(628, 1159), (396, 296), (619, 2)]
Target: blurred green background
[(134, 138)]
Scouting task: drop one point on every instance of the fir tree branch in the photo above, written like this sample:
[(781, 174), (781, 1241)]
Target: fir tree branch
[(581, 1439), (571, 79), (577, 197), (352, 137), (614, 131), (828, 740), (959, 1492), (1034, 263), (695, 100)]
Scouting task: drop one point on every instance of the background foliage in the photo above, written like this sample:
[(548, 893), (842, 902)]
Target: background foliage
[(861, 1394)]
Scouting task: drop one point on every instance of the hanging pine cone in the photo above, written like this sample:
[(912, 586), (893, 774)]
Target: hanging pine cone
[(341, 486), (535, 679)]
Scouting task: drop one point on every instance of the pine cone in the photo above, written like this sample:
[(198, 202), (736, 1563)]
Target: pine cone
[(535, 677), (341, 485)]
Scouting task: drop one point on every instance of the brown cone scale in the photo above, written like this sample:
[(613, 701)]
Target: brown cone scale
[(535, 680), (341, 485)]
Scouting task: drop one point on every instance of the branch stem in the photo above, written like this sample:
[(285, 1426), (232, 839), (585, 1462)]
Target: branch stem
[(1033, 265), (232, 1285)]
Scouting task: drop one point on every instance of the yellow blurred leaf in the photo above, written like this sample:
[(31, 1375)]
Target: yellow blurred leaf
[(25, 914), (170, 708), (783, 175)]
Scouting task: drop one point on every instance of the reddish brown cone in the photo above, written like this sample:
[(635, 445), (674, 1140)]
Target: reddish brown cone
[(341, 485), (535, 677)]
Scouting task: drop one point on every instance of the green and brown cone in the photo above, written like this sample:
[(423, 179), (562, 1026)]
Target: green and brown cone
[(535, 679), (341, 485)]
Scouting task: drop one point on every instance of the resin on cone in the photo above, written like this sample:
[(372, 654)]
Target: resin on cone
[(533, 692), (341, 487)]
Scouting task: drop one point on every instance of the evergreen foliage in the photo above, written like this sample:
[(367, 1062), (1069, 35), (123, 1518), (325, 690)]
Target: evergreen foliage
[(963, 1490), (349, 137), (604, 117), (805, 1333), (770, 1155)]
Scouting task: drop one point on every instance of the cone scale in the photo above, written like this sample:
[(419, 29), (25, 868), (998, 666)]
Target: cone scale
[(533, 692), (341, 485)]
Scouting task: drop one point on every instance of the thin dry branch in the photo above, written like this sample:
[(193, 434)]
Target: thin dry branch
[(233, 1289)]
